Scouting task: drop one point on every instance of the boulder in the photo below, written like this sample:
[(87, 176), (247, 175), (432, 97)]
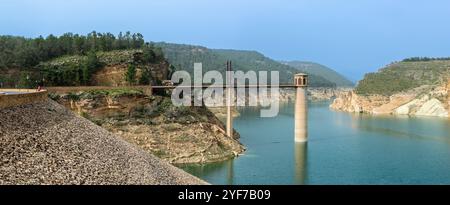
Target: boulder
[(432, 107), (411, 106)]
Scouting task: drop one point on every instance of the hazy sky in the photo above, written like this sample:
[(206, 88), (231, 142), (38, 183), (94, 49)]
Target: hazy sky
[(351, 36)]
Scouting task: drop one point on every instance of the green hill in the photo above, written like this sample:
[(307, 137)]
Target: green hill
[(184, 57), (321, 70), (403, 76), (75, 70), (71, 59)]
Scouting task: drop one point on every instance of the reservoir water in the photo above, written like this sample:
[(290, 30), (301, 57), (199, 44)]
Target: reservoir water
[(343, 148)]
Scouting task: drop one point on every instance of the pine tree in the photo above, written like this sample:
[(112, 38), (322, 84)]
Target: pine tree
[(145, 77), (85, 74), (130, 75)]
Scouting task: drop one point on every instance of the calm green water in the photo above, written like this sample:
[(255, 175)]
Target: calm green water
[(343, 148)]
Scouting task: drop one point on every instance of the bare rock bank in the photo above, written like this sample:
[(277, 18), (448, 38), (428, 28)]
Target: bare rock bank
[(422, 101), (178, 135)]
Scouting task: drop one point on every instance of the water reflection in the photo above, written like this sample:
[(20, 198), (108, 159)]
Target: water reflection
[(222, 170), (300, 157), (230, 171), (403, 126)]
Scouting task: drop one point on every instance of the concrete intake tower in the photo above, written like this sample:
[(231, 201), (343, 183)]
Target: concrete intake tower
[(301, 108)]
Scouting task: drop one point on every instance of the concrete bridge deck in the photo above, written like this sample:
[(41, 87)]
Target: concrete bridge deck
[(223, 86)]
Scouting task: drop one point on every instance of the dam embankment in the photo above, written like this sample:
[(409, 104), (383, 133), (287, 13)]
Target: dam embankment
[(42, 142)]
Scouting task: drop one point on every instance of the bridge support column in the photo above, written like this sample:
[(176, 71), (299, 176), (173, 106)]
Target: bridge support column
[(301, 108), (229, 100), (148, 91), (229, 114)]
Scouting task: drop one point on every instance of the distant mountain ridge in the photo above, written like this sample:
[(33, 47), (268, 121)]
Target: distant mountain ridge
[(321, 70), (184, 56)]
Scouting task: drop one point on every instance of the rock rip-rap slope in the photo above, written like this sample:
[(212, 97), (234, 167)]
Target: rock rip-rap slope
[(44, 143)]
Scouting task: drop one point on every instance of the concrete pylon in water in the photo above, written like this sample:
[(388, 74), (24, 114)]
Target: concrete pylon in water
[(301, 108), (229, 114), (229, 100)]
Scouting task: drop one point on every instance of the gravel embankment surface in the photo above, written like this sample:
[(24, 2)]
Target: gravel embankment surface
[(44, 143)]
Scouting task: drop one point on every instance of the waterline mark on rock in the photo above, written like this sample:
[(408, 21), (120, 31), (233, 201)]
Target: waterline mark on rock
[(209, 89)]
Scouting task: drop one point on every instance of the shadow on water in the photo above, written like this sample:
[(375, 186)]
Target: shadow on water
[(222, 170)]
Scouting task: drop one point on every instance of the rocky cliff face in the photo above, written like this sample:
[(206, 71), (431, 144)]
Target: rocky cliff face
[(422, 101), (314, 94), (116, 65), (113, 75), (284, 95), (448, 94), (318, 94), (175, 134)]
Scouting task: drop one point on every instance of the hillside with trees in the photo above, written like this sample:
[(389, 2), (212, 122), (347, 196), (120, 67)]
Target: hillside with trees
[(28, 52), (71, 59), (321, 70), (418, 59), (403, 76), (184, 57)]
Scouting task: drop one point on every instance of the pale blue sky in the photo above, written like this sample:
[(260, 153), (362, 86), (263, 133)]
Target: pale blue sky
[(351, 36)]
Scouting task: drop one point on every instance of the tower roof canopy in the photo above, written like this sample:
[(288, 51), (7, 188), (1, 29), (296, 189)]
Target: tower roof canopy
[(301, 74)]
